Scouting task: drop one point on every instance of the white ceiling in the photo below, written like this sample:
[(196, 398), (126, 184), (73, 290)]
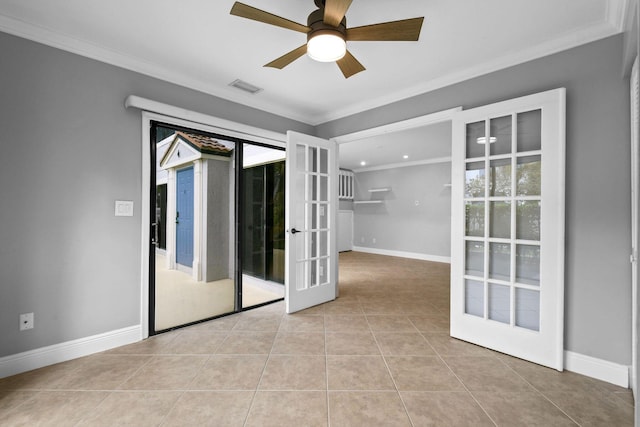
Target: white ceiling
[(198, 44), (389, 149)]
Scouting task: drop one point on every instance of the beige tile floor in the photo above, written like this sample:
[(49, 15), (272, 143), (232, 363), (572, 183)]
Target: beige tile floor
[(380, 355)]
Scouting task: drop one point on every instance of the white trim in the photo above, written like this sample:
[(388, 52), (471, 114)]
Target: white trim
[(45, 356), (603, 370), (180, 117), (136, 64), (618, 12), (565, 42), (189, 118), (402, 254), (416, 122), (405, 164), (609, 27)]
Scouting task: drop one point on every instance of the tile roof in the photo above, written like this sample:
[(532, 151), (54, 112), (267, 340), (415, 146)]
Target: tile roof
[(205, 144)]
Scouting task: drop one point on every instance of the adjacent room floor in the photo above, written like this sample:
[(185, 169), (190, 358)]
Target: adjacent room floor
[(380, 355)]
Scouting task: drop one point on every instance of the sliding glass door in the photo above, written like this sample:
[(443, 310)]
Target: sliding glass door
[(192, 227), (263, 232), (216, 226)]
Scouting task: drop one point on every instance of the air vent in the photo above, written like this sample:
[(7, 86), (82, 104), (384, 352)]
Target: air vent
[(247, 87)]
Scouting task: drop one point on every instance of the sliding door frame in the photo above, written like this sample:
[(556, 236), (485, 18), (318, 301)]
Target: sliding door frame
[(170, 116)]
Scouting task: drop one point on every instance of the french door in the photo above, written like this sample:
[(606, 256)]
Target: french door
[(311, 206), (507, 247)]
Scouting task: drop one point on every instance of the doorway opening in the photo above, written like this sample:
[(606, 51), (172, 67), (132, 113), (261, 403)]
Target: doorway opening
[(197, 222)]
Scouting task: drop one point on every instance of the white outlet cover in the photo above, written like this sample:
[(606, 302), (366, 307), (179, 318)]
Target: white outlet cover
[(124, 208), (26, 321)]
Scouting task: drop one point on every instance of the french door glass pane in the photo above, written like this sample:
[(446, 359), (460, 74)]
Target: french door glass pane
[(499, 303), (523, 267), (475, 139), (474, 219), (324, 270), (500, 219), (500, 138), (500, 261), (474, 180), (528, 176), (324, 160), (313, 187), (528, 309), (500, 178), (528, 220), (324, 187), (313, 159), (323, 213), (529, 131), (314, 272), (474, 257), (474, 298), (528, 264), (324, 243)]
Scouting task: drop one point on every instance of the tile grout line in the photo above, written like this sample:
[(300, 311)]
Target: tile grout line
[(253, 398), (326, 368), (395, 384), (459, 380), (538, 391)]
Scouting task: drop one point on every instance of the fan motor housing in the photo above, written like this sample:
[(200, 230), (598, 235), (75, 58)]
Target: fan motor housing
[(315, 21)]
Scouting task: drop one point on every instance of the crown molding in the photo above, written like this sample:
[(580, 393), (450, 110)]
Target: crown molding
[(619, 13), (99, 53), (616, 20), (568, 41)]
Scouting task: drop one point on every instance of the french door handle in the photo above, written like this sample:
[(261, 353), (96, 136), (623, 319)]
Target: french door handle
[(294, 231)]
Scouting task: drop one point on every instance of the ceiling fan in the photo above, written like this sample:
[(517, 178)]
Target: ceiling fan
[(327, 33)]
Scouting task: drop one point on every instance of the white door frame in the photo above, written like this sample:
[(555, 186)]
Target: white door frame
[(157, 111), (416, 122)]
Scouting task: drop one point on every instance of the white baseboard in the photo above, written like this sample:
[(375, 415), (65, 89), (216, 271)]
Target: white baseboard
[(599, 369), (45, 356), (401, 254)]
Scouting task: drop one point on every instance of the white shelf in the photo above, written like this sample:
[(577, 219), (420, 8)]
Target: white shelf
[(368, 202), (379, 190)]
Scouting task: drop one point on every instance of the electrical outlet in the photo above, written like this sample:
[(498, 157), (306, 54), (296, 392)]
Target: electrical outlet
[(26, 321), (373, 240), (361, 239)]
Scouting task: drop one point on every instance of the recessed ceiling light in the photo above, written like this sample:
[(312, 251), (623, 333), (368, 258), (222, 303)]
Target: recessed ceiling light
[(363, 163), (406, 156), (483, 140)]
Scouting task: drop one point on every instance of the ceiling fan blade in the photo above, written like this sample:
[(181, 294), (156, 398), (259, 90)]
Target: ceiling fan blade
[(404, 30), (288, 58), (349, 65), (334, 11), (250, 12)]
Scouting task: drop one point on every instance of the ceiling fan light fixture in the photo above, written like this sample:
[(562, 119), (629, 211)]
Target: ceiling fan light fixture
[(326, 46)]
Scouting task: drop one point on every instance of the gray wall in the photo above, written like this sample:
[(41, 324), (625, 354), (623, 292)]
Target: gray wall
[(597, 271), (398, 224), (69, 150), (219, 201), (68, 259)]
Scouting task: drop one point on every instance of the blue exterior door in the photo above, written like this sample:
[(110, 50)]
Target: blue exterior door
[(184, 217)]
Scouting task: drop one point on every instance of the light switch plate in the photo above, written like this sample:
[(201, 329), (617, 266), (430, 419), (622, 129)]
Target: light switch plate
[(124, 208)]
